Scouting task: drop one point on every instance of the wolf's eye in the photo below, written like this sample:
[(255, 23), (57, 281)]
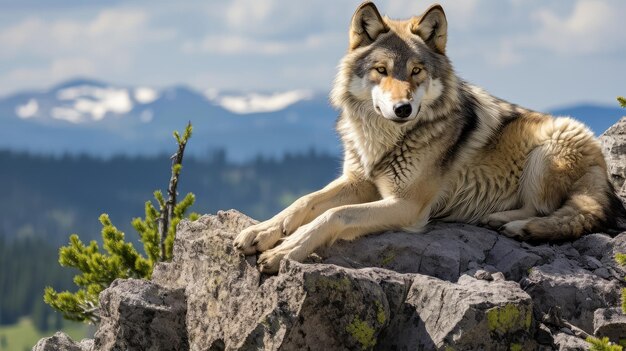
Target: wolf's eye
[(381, 70), (416, 71)]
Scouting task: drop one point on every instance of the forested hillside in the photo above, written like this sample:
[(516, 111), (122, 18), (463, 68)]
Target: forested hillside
[(51, 198), (26, 267)]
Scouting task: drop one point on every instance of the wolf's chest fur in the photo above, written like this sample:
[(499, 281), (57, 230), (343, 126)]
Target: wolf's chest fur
[(374, 149)]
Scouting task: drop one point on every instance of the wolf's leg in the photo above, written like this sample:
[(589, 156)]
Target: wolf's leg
[(584, 211), (342, 191), (564, 180), (347, 222), (498, 219)]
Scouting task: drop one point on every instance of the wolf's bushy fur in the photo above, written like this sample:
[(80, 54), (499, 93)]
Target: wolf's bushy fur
[(420, 143)]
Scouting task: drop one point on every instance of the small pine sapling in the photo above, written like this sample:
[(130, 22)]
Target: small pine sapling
[(98, 269), (603, 344)]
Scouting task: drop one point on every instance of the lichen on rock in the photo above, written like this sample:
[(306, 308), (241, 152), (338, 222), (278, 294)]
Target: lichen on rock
[(503, 319), (362, 333)]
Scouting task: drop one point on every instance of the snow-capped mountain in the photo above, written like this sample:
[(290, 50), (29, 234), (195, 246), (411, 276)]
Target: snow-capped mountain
[(88, 116)]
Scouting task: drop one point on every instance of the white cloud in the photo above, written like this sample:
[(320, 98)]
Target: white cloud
[(593, 25), (43, 50), (64, 67), (459, 13), (249, 13), (588, 27), (253, 103), (240, 44), (110, 29), (54, 71), (271, 17), (506, 55), (28, 110)]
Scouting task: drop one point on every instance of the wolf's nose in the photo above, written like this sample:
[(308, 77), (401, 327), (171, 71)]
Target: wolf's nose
[(402, 110)]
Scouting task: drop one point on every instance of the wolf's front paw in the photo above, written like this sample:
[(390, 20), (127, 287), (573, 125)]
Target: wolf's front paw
[(259, 237), (494, 221), (516, 230), (269, 261), (295, 247)]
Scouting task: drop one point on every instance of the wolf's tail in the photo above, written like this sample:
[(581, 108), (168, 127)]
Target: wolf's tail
[(592, 206)]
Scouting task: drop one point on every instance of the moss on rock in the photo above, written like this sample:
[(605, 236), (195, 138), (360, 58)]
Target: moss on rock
[(362, 332), (508, 318)]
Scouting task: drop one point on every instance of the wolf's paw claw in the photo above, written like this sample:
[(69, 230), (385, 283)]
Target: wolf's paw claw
[(515, 230), (269, 261), (259, 237)]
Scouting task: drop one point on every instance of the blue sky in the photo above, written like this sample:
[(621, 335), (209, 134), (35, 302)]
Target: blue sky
[(537, 53)]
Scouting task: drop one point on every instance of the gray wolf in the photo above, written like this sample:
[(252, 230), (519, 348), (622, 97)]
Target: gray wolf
[(420, 143)]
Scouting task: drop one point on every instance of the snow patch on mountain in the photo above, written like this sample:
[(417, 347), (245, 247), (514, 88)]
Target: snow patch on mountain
[(145, 95), (28, 110), (256, 102), (66, 114), (93, 102)]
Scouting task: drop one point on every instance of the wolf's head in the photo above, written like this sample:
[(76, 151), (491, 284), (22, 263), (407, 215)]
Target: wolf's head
[(398, 68)]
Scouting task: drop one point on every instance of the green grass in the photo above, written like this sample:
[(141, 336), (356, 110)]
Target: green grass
[(23, 335)]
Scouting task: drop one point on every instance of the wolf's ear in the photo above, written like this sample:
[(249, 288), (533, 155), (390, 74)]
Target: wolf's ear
[(432, 27), (367, 25)]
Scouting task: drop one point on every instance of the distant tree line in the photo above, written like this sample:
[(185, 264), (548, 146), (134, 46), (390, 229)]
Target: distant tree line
[(26, 267), (51, 197)]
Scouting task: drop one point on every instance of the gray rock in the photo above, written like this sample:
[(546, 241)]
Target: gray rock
[(577, 291), (614, 148), (444, 250), (618, 245), (602, 272), (482, 275), (484, 315), (387, 291), (543, 336), (610, 322), (232, 306), (61, 342), (567, 342), (498, 276), (595, 245), (87, 344), (140, 315), (591, 262)]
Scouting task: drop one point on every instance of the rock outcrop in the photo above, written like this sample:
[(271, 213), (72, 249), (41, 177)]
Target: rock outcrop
[(610, 322), (455, 286), (614, 148), (61, 342)]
